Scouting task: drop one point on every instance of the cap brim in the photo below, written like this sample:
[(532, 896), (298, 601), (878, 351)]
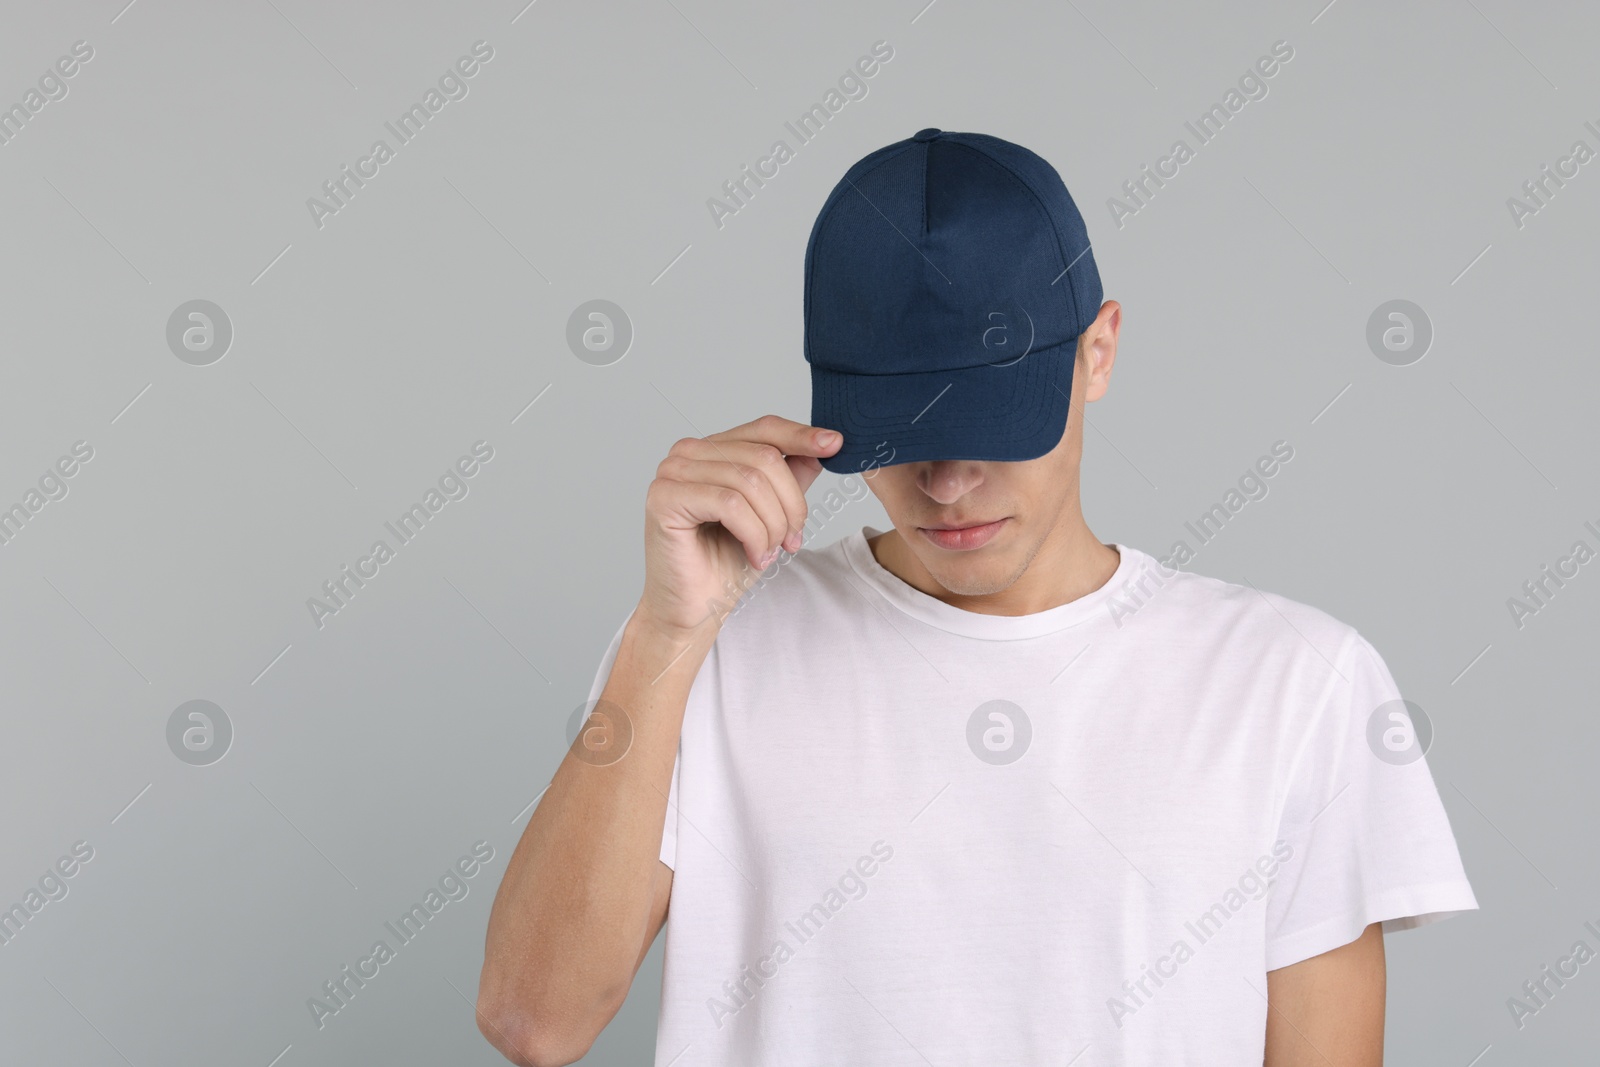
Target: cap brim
[(1011, 412)]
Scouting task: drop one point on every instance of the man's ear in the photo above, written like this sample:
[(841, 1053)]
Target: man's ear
[(1097, 350)]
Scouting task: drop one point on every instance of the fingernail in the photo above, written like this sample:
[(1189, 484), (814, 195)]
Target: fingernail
[(827, 437)]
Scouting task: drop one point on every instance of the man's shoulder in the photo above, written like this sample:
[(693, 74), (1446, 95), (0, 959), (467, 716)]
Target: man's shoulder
[(1235, 615)]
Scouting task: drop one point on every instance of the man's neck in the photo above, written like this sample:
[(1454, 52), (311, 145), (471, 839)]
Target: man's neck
[(1070, 563)]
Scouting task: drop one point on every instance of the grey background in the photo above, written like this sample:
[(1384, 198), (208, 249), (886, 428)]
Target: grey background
[(369, 354)]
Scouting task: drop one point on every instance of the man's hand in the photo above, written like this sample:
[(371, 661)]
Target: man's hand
[(719, 503), (1327, 1011)]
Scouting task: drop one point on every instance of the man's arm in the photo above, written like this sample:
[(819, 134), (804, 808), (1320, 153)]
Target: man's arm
[(585, 892), (1327, 1011)]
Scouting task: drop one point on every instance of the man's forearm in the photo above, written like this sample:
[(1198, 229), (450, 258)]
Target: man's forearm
[(574, 907)]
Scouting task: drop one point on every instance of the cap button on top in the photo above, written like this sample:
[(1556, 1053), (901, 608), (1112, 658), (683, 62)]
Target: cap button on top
[(925, 135)]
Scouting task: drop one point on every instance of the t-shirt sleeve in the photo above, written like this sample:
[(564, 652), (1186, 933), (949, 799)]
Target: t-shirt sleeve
[(669, 833), (1369, 836)]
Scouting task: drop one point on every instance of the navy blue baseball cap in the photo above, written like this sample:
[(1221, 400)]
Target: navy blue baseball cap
[(947, 279)]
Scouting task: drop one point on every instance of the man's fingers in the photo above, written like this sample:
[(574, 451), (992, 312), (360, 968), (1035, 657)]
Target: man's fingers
[(701, 503), (805, 470), (785, 451), (792, 438), (755, 484), (763, 456)]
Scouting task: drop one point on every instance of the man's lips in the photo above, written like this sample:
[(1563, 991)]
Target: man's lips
[(962, 538)]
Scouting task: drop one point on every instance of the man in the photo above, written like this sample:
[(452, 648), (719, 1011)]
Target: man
[(980, 788)]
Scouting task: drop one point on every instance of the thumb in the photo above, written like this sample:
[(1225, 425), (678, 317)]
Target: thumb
[(805, 469)]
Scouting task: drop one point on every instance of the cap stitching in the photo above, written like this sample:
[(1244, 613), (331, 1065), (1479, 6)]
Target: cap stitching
[(833, 385), (927, 156)]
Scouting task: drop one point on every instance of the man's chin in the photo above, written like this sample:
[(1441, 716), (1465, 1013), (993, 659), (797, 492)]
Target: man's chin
[(977, 573)]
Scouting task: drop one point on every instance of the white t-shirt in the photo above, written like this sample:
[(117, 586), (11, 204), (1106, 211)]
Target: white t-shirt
[(906, 833)]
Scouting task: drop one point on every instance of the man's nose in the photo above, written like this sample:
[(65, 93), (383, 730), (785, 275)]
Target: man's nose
[(949, 480)]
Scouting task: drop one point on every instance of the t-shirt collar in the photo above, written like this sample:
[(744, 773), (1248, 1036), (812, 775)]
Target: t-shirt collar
[(935, 612)]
